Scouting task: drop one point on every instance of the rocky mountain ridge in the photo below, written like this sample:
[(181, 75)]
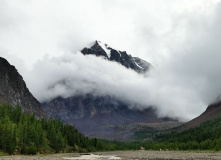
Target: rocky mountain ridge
[(212, 111), (95, 116), (14, 91), (103, 50)]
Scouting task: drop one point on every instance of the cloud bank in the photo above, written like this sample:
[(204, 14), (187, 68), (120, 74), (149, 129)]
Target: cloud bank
[(180, 38), (76, 74)]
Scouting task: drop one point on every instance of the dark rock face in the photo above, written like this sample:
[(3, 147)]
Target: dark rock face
[(13, 90), (94, 116), (103, 50)]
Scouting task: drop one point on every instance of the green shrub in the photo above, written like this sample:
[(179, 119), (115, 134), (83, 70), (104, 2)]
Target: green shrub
[(32, 150)]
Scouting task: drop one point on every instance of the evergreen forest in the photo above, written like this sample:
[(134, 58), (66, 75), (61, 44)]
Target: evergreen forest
[(22, 133)]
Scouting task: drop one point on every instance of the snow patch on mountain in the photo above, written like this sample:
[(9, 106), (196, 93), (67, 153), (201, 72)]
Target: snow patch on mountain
[(138, 65), (106, 48)]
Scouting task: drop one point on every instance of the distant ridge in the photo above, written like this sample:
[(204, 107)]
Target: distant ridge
[(211, 112)]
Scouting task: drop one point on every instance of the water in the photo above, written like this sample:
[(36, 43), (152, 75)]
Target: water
[(92, 156)]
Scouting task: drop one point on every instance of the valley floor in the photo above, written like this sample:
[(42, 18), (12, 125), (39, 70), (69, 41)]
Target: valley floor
[(127, 155)]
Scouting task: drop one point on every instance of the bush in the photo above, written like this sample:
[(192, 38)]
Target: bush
[(32, 150), (24, 149)]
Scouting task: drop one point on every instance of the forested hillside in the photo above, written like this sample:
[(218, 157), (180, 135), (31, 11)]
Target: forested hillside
[(25, 134), (205, 137), (22, 133)]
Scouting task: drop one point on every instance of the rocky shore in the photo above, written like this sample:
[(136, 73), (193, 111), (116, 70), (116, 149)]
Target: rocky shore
[(125, 155)]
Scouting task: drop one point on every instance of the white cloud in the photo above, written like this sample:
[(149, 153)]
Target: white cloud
[(180, 38), (75, 74)]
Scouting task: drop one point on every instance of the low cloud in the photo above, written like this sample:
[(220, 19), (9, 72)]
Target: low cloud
[(180, 38), (182, 86), (76, 74)]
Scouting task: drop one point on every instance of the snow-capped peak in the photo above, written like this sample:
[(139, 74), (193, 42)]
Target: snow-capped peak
[(106, 48)]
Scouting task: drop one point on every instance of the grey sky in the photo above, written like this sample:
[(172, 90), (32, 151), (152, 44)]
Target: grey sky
[(180, 38)]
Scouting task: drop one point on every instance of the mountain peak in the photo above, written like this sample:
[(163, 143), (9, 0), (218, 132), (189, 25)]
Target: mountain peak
[(101, 49), (98, 45)]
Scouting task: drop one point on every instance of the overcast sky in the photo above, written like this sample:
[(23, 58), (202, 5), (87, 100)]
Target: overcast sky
[(180, 38)]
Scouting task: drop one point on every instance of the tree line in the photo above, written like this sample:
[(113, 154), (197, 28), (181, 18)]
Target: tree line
[(22, 133)]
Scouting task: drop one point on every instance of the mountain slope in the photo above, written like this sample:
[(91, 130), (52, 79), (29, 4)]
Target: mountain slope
[(211, 112), (98, 116), (103, 50), (14, 91)]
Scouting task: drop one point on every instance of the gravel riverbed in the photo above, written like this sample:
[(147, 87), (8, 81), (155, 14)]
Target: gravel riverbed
[(125, 155)]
